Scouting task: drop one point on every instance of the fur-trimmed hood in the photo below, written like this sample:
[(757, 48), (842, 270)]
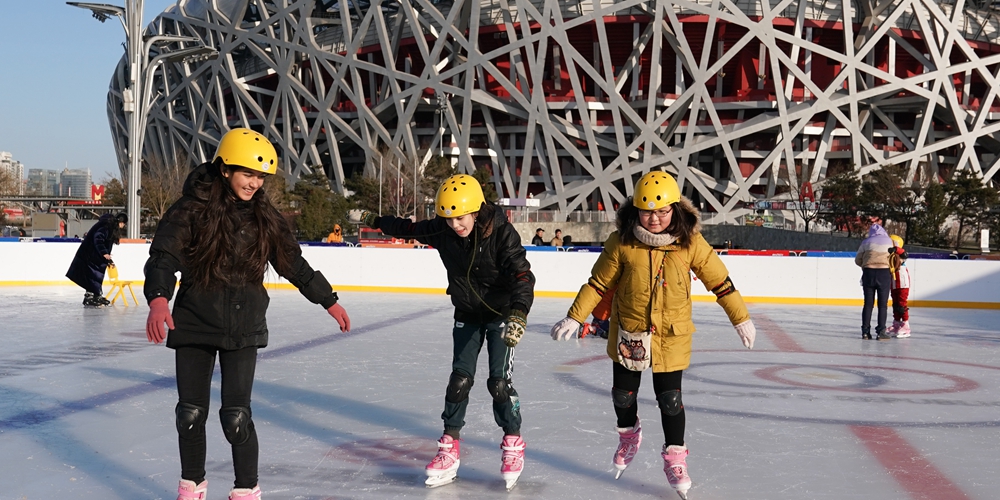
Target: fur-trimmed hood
[(692, 214)]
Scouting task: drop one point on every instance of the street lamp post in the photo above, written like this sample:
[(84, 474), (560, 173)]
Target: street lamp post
[(135, 97)]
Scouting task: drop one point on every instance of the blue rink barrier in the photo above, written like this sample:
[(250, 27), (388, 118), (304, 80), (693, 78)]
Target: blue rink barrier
[(814, 253), (59, 240)]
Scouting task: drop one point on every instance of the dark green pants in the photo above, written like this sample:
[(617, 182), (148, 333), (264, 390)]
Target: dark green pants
[(468, 341)]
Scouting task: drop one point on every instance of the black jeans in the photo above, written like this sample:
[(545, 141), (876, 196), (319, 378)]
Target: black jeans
[(628, 380), (194, 382), (875, 282), (469, 339)]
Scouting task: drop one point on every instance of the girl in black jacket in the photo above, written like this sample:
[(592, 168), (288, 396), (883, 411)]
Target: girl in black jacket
[(221, 236), (492, 288)]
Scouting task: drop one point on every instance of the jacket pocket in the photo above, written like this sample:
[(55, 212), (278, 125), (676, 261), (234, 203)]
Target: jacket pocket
[(682, 328)]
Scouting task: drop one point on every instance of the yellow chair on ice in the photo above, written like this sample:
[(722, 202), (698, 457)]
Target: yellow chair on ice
[(118, 287)]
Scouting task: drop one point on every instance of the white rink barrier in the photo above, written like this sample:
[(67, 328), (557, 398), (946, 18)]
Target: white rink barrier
[(792, 280)]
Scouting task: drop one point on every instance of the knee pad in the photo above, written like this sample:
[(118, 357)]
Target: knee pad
[(236, 424), (670, 403), (459, 386), (190, 419), (501, 389), (622, 398)]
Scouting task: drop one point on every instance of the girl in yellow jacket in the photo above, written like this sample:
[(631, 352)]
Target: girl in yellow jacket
[(649, 259)]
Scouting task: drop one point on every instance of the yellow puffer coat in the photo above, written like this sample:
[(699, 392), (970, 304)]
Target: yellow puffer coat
[(638, 304)]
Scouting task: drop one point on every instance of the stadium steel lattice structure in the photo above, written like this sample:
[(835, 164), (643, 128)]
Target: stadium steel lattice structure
[(570, 101)]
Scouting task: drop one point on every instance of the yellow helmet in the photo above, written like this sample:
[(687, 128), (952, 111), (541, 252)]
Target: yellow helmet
[(243, 147), (655, 190), (459, 195), (896, 240)]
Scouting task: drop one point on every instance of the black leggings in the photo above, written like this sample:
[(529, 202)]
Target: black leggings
[(194, 382), (628, 380)]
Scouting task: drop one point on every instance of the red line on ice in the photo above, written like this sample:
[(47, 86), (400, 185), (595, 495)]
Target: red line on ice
[(777, 335), (906, 464)]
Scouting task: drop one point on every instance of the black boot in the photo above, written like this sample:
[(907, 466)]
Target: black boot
[(881, 335), (91, 300), (866, 333)]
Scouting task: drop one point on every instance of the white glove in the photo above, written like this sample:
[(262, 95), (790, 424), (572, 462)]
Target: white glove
[(747, 333), (565, 329)]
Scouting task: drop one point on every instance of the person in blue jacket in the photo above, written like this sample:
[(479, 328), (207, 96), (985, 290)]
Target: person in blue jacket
[(94, 255)]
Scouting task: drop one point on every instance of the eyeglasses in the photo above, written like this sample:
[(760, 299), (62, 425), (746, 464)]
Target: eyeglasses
[(662, 213)]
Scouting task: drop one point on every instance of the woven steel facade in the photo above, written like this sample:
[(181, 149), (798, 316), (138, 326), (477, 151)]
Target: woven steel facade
[(570, 101)]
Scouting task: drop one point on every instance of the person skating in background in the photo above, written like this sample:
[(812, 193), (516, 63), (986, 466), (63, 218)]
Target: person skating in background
[(539, 239), (492, 288), (93, 256), (646, 264), (221, 236), (900, 289), (876, 279)]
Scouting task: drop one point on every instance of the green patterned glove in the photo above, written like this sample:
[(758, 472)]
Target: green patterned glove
[(514, 329), (358, 216)]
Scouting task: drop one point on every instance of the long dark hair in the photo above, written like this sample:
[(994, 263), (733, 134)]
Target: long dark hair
[(212, 258), (681, 224), (115, 233)]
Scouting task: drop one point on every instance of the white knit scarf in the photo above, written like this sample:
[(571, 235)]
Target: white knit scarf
[(653, 240)]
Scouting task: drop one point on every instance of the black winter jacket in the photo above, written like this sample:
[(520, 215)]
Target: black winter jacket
[(89, 264), (488, 272), (229, 316)]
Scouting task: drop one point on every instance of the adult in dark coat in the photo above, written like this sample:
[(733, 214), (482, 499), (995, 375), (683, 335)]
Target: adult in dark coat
[(93, 256)]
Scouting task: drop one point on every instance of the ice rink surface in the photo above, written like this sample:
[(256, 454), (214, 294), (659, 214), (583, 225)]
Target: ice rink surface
[(813, 412)]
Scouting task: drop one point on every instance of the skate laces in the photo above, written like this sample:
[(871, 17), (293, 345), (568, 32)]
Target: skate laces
[(446, 455), (675, 466), (628, 442), (513, 452)]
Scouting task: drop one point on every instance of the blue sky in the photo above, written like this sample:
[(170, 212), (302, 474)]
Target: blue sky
[(55, 66)]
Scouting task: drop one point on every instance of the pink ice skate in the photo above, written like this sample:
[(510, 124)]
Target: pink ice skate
[(190, 491), (512, 459), (245, 493), (443, 468), (628, 444), (904, 330), (894, 329), (675, 466)]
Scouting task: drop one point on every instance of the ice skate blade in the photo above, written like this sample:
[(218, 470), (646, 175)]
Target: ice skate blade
[(618, 473), (682, 494), (436, 481), (511, 483)]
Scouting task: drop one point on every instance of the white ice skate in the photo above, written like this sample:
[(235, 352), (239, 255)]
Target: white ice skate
[(904, 329), (443, 468), (629, 439), (512, 459)]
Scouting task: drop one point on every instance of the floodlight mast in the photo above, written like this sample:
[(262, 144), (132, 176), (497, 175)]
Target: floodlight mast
[(136, 100)]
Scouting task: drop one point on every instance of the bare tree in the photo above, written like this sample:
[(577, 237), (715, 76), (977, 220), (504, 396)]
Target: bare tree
[(162, 184), (114, 192), (8, 186)]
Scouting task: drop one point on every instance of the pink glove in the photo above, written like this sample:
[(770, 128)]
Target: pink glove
[(339, 314), (159, 313)]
